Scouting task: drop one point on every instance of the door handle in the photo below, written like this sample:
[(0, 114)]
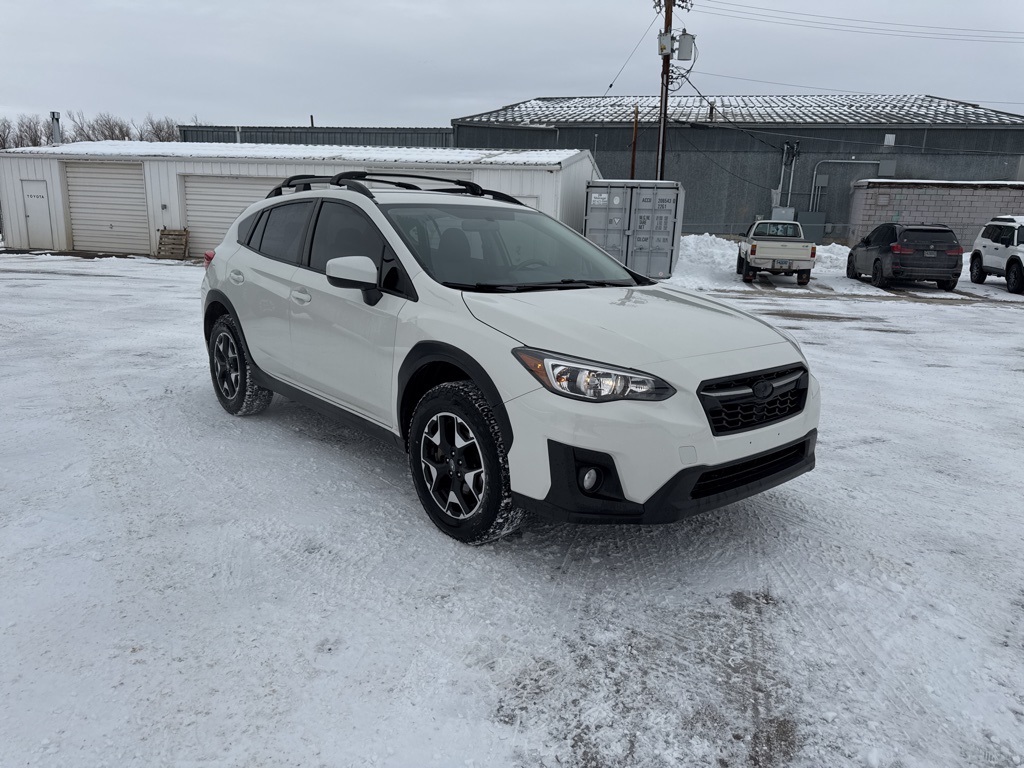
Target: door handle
[(236, 277), (301, 296)]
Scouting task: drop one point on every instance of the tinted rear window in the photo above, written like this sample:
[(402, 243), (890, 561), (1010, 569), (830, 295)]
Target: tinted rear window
[(928, 236)]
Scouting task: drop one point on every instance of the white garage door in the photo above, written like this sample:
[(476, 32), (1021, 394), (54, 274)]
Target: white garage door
[(107, 202), (212, 203)]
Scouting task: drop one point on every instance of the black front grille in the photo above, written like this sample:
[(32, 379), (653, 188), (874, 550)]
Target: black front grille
[(755, 399), (737, 475)]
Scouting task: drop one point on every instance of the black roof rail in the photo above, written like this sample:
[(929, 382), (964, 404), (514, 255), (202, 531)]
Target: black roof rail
[(493, 194), (303, 181), (352, 179)]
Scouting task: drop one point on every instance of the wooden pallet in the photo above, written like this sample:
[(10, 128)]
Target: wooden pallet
[(173, 244)]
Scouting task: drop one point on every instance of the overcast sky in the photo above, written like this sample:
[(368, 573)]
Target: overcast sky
[(424, 62)]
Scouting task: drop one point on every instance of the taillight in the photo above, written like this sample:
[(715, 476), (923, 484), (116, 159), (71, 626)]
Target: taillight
[(814, 251), (207, 258), (901, 249), (958, 251), (753, 249)]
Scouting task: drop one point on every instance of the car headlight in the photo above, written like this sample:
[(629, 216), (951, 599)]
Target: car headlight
[(586, 380)]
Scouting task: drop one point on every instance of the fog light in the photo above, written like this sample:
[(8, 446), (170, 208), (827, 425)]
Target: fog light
[(590, 478)]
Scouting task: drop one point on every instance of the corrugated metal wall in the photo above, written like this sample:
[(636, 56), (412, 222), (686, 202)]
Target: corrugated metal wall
[(358, 137), (728, 173), (164, 180)]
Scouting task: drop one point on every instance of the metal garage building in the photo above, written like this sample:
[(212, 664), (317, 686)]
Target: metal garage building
[(116, 196), (727, 151)]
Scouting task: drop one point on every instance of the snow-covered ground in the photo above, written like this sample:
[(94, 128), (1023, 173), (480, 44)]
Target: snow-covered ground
[(179, 587)]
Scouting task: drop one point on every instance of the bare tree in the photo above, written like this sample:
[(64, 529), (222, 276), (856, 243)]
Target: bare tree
[(6, 131), (107, 127), (158, 129), (30, 131), (79, 128)]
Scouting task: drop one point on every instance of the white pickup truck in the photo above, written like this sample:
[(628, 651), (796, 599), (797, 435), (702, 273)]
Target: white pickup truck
[(777, 247)]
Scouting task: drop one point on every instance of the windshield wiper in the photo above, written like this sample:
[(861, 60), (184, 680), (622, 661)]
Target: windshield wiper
[(547, 286)]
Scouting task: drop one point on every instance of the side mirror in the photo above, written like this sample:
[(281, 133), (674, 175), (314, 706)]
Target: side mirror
[(355, 272), (863, 240), (352, 272)]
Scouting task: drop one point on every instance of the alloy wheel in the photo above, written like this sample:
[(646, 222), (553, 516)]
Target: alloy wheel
[(452, 465), (226, 369)]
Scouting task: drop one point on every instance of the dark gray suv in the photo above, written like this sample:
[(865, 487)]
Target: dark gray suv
[(908, 252)]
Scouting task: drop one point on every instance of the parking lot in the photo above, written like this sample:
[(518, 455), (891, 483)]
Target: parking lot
[(181, 587)]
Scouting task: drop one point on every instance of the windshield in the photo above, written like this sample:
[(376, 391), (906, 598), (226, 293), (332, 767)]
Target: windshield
[(491, 248)]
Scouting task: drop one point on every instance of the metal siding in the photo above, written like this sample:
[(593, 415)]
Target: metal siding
[(212, 203), (372, 137), (13, 170), (107, 202)]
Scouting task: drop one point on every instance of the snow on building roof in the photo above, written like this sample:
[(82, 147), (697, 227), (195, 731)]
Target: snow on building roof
[(934, 182), (809, 109), (177, 149)]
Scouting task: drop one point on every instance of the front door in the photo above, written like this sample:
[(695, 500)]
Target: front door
[(342, 347), (37, 214)]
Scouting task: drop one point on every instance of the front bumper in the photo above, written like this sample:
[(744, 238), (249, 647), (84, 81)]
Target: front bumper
[(660, 460), (690, 492)]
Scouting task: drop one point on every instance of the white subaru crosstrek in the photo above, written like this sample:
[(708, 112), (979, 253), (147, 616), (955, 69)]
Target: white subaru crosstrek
[(522, 368)]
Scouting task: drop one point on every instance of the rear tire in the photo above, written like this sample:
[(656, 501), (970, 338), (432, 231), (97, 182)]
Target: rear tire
[(749, 273), (947, 285), (803, 277), (231, 371), (739, 263), (1015, 278), (878, 278), (459, 464), (978, 274), (851, 271)]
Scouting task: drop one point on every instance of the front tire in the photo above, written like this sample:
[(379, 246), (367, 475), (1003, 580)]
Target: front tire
[(459, 464), (231, 371), (878, 278), (978, 274), (1015, 278)]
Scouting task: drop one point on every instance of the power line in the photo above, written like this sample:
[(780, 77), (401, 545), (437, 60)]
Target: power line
[(714, 162), (845, 28), (998, 32), (655, 19)]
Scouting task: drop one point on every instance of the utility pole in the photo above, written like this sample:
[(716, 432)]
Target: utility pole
[(666, 71)]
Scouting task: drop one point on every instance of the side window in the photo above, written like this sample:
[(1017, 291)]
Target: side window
[(1006, 235), (989, 232), (257, 233), (245, 227), (344, 231), (284, 231), (761, 230), (1020, 235), (876, 235)]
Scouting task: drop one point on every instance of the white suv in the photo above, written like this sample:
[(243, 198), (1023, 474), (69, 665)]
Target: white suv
[(999, 250), (520, 366)]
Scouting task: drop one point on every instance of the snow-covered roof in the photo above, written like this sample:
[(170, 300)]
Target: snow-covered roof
[(178, 149), (808, 109)]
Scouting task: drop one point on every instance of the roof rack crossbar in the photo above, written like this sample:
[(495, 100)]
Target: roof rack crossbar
[(472, 187), (364, 176), (303, 183)]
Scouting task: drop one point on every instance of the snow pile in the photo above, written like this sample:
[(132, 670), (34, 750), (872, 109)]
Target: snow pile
[(707, 262), (704, 260)]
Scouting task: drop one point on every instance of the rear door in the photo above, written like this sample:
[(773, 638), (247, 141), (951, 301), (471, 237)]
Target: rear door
[(261, 283), (865, 251)]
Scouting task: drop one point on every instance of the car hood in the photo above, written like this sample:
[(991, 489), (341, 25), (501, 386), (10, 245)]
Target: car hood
[(630, 327)]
